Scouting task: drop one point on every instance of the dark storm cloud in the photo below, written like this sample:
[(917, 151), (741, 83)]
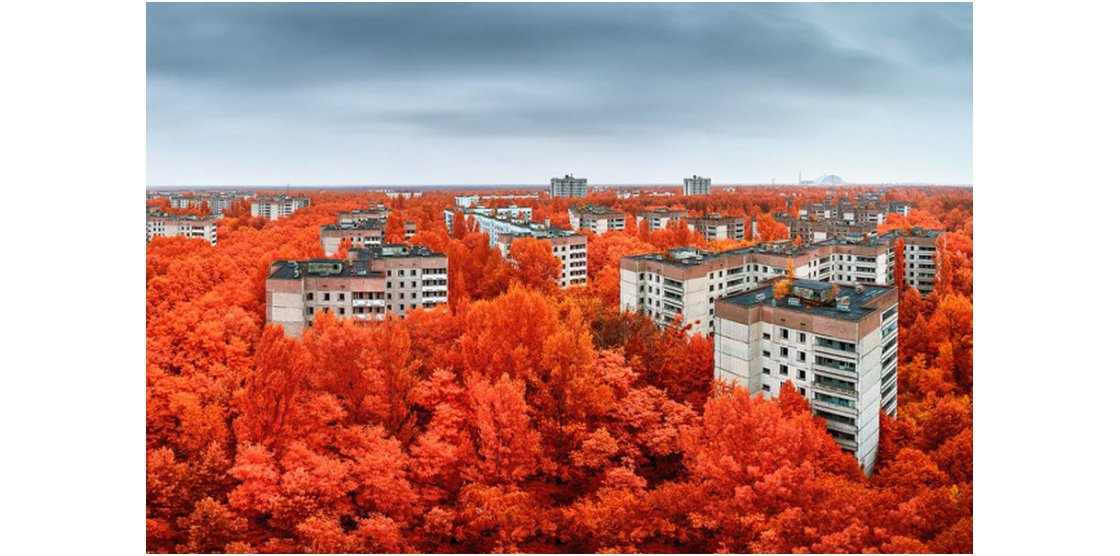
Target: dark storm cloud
[(564, 70)]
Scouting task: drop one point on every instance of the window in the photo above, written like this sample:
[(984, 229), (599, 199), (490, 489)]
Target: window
[(784, 351), (783, 370), (326, 297), (801, 337), (785, 334), (801, 356), (342, 310), (765, 335), (765, 353), (310, 296), (801, 375), (765, 387), (765, 371)]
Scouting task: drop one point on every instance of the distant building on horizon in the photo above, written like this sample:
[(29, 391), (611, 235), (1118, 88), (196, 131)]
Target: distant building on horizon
[(278, 206), (697, 185), (568, 186)]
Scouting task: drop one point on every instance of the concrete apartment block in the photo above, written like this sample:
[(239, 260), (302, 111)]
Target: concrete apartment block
[(374, 282), (660, 218), (596, 218), (169, 225), (568, 186), (278, 206), (838, 345), (717, 226), (697, 185), (568, 246), (688, 281)]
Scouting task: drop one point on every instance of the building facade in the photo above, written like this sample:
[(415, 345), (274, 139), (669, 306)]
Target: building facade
[(567, 246), (837, 345), (568, 186), (374, 282), (169, 225), (278, 206), (596, 218), (697, 185)]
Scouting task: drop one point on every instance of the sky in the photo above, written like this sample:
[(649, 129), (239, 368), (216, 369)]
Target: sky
[(483, 94)]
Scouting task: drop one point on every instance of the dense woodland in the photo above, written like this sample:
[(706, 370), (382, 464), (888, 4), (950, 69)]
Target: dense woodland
[(524, 418)]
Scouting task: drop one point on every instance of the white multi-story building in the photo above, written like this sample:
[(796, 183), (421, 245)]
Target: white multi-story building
[(920, 257), (716, 226), (568, 186), (837, 345), (697, 185), (596, 218), (659, 218), (567, 246), (493, 221), (687, 283), (279, 206), (169, 225), (374, 282)]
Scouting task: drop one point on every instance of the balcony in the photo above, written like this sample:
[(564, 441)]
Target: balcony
[(369, 302), (433, 287), (835, 389)]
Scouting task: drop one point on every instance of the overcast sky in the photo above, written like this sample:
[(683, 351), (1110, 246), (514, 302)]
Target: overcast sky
[(415, 94)]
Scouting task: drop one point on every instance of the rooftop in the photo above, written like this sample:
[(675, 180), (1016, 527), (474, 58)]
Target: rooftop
[(593, 209), (822, 299), (358, 266), (371, 224)]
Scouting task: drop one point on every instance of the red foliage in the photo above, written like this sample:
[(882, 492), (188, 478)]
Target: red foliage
[(523, 417)]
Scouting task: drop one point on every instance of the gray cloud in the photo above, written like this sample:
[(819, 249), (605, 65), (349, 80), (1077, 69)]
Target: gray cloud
[(233, 85)]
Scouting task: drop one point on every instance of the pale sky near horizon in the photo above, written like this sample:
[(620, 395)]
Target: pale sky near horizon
[(418, 94)]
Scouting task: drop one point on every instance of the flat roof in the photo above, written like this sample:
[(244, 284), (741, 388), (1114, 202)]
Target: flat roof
[(857, 300)]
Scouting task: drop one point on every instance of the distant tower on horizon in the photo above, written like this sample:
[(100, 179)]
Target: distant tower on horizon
[(568, 186), (697, 185)]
